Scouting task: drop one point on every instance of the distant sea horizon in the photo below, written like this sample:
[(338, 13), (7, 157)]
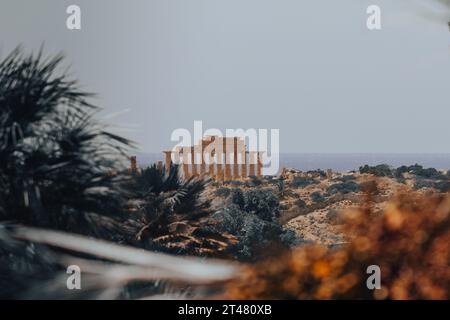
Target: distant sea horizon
[(338, 161)]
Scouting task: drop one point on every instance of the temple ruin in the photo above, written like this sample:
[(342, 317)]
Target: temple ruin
[(221, 158)]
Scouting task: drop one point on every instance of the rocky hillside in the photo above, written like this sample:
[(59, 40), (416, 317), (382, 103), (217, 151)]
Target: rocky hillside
[(311, 203)]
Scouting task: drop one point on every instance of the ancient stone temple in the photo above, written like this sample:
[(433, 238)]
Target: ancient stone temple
[(221, 158)]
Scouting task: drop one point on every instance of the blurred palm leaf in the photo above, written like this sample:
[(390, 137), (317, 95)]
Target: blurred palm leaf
[(56, 159), (175, 215), (116, 276)]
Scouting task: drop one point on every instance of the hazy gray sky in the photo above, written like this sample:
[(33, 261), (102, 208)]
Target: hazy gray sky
[(310, 68)]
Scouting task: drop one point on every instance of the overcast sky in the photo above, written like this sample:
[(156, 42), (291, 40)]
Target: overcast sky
[(309, 68)]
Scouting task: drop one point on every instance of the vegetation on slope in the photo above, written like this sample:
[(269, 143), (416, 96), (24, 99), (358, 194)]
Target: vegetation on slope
[(409, 242)]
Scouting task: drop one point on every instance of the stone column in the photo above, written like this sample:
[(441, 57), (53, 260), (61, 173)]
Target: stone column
[(227, 169), (211, 170), (168, 160), (208, 149), (252, 163), (211, 165), (219, 151), (258, 165), (219, 174), (235, 156), (228, 147), (193, 161), (244, 164), (185, 152), (202, 164)]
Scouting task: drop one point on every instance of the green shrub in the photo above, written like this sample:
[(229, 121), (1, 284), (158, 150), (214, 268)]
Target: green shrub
[(237, 197), (442, 186), (223, 192), (317, 197), (263, 203), (256, 234), (381, 170), (252, 218), (235, 183), (253, 182), (423, 183), (343, 187), (347, 178), (301, 182), (317, 172), (300, 204), (418, 170), (154, 180)]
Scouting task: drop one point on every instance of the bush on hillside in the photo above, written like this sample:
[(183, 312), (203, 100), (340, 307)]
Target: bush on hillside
[(343, 187), (418, 170), (381, 170), (223, 192), (301, 204), (302, 182), (252, 218), (317, 197), (317, 173)]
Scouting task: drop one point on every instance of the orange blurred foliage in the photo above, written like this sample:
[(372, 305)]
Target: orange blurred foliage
[(409, 241)]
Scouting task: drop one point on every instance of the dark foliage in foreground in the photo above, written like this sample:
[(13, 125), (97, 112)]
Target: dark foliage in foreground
[(35, 268), (23, 265), (57, 161), (61, 170), (174, 215), (409, 242), (153, 180)]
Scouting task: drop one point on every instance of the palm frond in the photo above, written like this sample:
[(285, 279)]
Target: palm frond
[(111, 277), (59, 166)]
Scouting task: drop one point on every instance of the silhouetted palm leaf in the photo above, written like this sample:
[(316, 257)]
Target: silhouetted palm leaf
[(32, 269), (56, 159), (175, 214)]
